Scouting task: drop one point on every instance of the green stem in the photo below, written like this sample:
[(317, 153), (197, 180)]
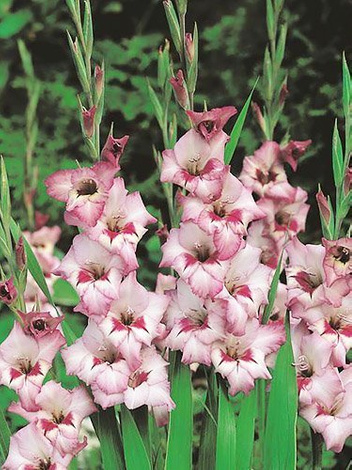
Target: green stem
[(317, 450)]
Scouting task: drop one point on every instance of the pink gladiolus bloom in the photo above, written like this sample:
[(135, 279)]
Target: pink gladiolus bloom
[(39, 324), (8, 291), (293, 151), (312, 360), (84, 190), (165, 283), (59, 415), (96, 361), (210, 123), (226, 218), (30, 450), (148, 385), (192, 253), (25, 361), (285, 208), (194, 324), (335, 325), (246, 287), (331, 415), (133, 320), (241, 359), (113, 149), (123, 221), (338, 259), (305, 274), (95, 273), (263, 170), (197, 165)]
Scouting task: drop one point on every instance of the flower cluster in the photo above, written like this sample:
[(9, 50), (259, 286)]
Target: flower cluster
[(116, 355), (213, 316), (319, 281), (284, 206)]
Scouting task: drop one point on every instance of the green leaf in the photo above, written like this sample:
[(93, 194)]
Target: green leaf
[(226, 432), (337, 157), (134, 449), (88, 28), (5, 202), (108, 433), (270, 19), (207, 447), (64, 294), (13, 23), (245, 431), (346, 87), (158, 110), (26, 59), (5, 435), (237, 128), (272, 291), (280, 51), (179, 442), (174, 25), (280, 432), (79, 62)]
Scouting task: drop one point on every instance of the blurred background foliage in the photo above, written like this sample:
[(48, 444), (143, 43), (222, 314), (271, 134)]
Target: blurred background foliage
[(128, 34)]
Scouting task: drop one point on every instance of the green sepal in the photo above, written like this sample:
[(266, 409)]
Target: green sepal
[(174, 25), (88, 29), (193, 69), (337, 157), (79, 62)]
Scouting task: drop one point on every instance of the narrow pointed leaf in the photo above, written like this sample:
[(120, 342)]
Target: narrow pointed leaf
[(346, 86), (226, 432), (5, 435), (179, 444), (174, 25), (270, 19), (207, 447), (5, 195), (108, 433), (88, 28), (280, 433), (337, 157), (158, 110), (134, 449), (280, 52), (245, 431), (64, 294), (237, 129)]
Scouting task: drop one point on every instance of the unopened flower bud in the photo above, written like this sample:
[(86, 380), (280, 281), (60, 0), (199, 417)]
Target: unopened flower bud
[(113, 149), (181, 6), (189, 47), (20, 252), (259, 115), (347, 184), (8, 291), (180, 89), (88, 121), (99, 80), (324, 208)]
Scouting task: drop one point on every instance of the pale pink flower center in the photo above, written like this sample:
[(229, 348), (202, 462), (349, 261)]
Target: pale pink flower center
[(127, 316), (115, 223), (193, 166), (309, 281), (24, 364), (197, 317), (58, 417), (265, 177), (282, 218), (44, 464)]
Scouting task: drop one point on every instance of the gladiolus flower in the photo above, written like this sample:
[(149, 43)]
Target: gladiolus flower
[(293, 151), (338, 259), (95, 273), (210, 123), (241, 359), (113, 149), (192, 253), (39, 324), (84, 190)]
